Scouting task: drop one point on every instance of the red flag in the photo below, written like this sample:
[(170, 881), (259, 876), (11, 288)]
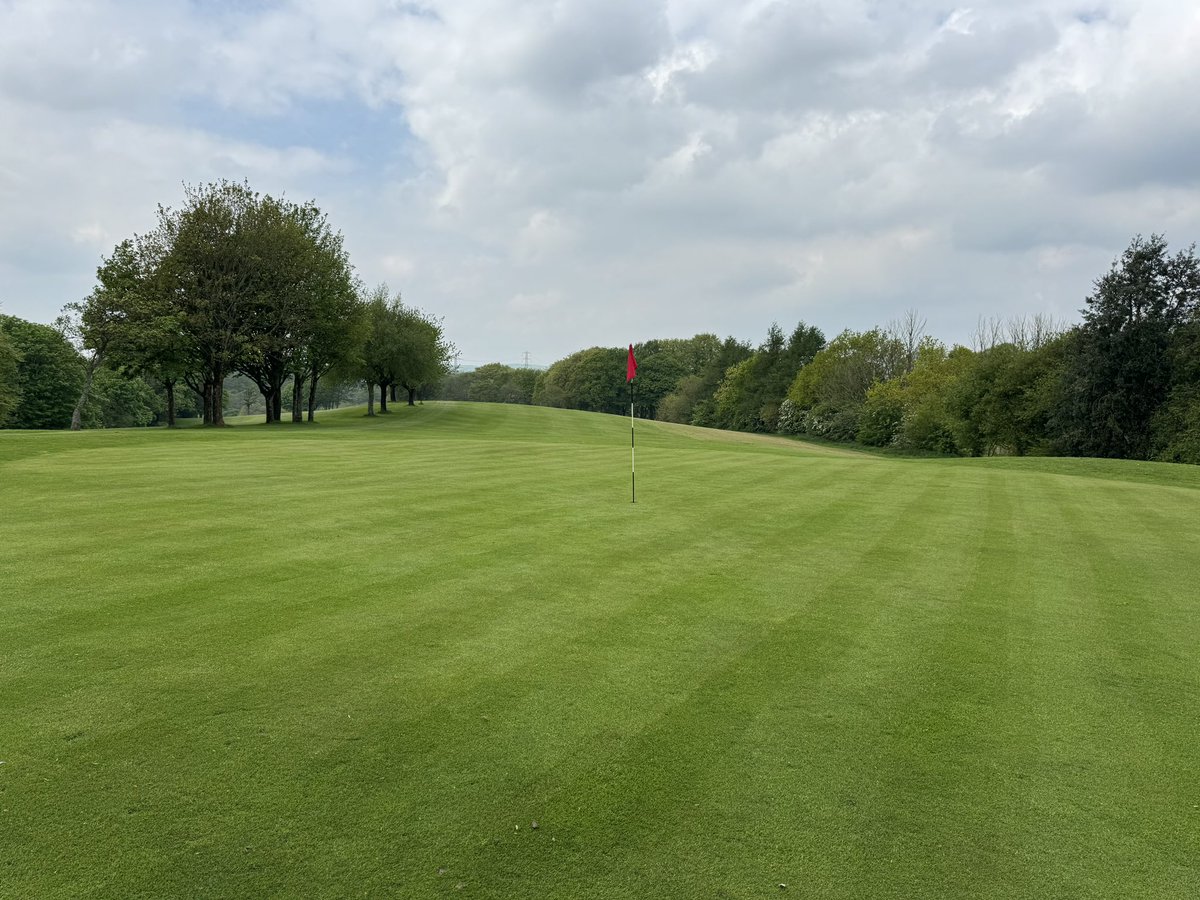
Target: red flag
[(631, 366)]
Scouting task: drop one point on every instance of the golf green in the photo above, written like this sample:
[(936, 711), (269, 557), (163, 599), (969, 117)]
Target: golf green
[(363, 657)]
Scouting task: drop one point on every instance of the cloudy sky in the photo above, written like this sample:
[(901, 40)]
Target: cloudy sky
[(552, 175)]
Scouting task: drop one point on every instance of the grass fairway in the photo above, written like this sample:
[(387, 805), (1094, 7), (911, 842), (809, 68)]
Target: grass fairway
[(360, 658)]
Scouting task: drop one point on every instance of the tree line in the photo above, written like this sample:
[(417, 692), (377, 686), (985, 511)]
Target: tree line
[(232, 282), (1124, 382)]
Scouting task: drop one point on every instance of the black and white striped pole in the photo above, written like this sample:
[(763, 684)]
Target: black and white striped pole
[(630, 374)]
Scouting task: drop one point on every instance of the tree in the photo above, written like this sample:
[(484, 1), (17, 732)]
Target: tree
[(733, 402), (303, 300), (591, 379), (678, 405), (703, 407), (556, 386), (1175, 430), (1119, 373), (379, 359), (495, 383), (10, 391), (751, 393), (49, 374), (102, 321), (118, 401), (661, 366), (909, 332), (207, 258), (424, 353), (927, 422), (829, 393), (333, 336)]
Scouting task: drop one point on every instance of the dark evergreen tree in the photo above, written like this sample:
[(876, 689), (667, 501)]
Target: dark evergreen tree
[(1120, 371)]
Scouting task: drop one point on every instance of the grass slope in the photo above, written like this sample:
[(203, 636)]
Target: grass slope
[(358, 659)]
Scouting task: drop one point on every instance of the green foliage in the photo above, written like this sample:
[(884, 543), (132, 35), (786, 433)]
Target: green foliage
[(663, 365), (752, 391), (10, 388), (129, 323), (492, 383), (840, 375), (119, 401), (49, 375), (403, 346), (927, 423), (678, 405), (828, 394), (424, 353), (882, 413), (1119, 373), (734, 404), (692, 401), (592, 379), (1175, 429)]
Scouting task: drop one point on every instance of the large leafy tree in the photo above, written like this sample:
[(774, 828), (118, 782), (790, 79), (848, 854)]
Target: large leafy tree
[(425, 354), (1120, 371), (207, 253), (302, 299), (49, 374), (379, 360)]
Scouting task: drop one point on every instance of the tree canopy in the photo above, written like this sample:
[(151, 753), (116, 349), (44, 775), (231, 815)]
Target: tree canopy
[(49, 374), (403, 347), (232, 281)]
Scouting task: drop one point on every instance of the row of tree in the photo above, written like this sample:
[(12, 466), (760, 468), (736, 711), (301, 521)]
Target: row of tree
[(1124, 382), (231, 282)]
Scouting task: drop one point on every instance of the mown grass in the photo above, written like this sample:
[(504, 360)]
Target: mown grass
[(360, 658)]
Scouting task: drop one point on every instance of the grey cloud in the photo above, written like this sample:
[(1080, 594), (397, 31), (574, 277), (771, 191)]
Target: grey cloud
[(1092, 144), (789, 56), (585, 43), (986, 54)]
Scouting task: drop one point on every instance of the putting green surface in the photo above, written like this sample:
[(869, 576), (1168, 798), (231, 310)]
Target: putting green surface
[(360, 658)]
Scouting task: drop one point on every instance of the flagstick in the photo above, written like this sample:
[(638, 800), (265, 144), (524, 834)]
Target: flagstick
[(632, 450)]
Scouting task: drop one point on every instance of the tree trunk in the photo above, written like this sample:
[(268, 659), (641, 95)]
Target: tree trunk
[(206, 399), (383, 392), (277, 404), (218, 398), (77, 415), (170, 386), (393, 392), (297, 392), (370, 399), (312, 394), (412, 393)]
